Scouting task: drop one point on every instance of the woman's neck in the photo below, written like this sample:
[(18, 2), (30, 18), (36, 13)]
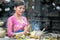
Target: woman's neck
[(18, 16)]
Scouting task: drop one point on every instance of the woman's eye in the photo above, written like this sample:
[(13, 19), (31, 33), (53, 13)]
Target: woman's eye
[(23, 8), (20, 8)]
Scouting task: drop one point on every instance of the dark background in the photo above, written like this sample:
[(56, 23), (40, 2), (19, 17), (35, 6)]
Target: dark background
[(45, 13)]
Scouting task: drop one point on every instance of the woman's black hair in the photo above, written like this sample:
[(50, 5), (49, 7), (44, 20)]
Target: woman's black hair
[(18, 4)]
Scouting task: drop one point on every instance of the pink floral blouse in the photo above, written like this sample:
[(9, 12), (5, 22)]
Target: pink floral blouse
[(14, 25)]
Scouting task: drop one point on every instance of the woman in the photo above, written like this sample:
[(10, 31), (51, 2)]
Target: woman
[(17, 23)]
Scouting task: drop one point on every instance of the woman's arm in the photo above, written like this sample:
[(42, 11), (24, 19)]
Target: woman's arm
[(9, 27), (27, 28), (27, 25)]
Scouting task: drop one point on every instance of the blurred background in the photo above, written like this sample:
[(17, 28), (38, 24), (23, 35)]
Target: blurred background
[(40, 13)]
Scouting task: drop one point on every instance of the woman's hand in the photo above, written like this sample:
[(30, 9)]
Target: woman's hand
[(27, 29)]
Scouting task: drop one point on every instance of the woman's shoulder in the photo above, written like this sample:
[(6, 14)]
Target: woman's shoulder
[(10, 18), (24, 17)]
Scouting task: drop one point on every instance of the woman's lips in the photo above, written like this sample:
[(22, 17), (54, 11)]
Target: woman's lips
[(21, 12)]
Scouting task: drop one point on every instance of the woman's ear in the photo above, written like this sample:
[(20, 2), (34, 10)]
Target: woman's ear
[(14, 8)]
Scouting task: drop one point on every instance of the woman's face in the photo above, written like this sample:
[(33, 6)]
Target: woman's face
[(20, 9)]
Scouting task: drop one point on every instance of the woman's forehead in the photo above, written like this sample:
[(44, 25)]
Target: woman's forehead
[(21, 6)]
